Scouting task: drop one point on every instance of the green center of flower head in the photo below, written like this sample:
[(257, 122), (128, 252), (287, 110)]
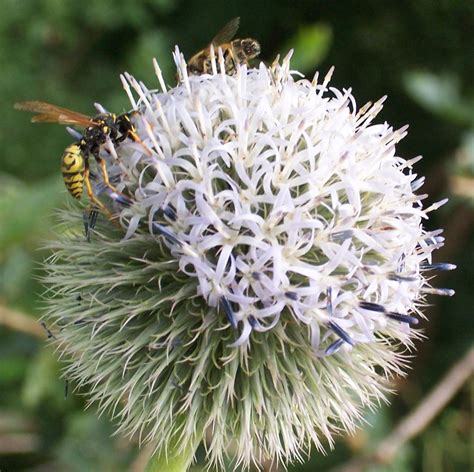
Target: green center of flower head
[(270, 258), (282, 201)]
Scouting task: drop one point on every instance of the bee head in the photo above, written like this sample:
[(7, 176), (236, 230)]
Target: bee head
[(251, 47), (193, 70)]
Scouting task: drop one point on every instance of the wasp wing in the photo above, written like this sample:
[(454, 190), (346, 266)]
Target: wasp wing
[(48, 113), (227, 32)]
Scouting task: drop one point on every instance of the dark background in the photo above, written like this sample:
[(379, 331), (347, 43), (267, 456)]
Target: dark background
[(418, 52)]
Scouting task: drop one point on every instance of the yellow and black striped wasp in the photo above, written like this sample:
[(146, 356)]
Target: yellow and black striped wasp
[(237, 51), (75, 159)]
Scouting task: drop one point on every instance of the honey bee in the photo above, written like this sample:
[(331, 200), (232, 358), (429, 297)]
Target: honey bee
[(237, 51), (75, 159)]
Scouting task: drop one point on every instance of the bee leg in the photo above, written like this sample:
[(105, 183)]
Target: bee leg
[(229, 62)]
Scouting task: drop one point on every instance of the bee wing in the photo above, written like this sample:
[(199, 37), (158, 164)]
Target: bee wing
[(227, 32), (48, 113)]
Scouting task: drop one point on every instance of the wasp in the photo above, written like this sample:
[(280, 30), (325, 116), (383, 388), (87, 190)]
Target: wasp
[(237, 51), (75, 159)]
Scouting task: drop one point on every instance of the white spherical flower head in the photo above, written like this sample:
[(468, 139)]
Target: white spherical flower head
[(283, 200), (273, 259)]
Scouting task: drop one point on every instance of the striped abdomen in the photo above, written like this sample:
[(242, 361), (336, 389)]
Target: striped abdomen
[(73, 166)]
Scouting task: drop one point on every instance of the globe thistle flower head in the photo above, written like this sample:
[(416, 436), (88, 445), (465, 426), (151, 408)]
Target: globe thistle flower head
[(267, 269)]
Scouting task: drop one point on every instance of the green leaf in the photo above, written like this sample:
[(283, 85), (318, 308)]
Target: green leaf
[(12, 370), (42, 380), (15, 272), (311, 44), (440, 94), (152, 44), (25, 211), (88, 444)]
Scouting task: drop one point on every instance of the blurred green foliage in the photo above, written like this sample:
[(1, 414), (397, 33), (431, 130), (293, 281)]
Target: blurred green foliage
[(419, 52), (310, 46), (441, 95)]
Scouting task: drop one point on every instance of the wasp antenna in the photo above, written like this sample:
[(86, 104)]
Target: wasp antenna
[(74, 133), (100, 108)]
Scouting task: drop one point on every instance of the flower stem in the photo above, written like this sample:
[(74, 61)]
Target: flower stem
[(172, 460)]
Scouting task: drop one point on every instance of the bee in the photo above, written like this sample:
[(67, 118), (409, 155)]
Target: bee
[(237, 51), (75, 159)]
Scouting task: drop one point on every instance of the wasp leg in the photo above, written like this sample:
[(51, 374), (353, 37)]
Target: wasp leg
[(93, 199), (122, 138), (131, 134), (105, 175), (119, 197), (90, 220), (134, 137)]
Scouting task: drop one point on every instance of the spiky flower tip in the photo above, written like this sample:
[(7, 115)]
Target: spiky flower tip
[(266, 272)]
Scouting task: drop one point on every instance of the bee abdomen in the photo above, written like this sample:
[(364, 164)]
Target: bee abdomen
[(73, 166)]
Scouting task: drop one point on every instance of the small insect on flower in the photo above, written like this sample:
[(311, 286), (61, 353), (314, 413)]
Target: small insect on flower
[(238, 51), (75, 159)]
